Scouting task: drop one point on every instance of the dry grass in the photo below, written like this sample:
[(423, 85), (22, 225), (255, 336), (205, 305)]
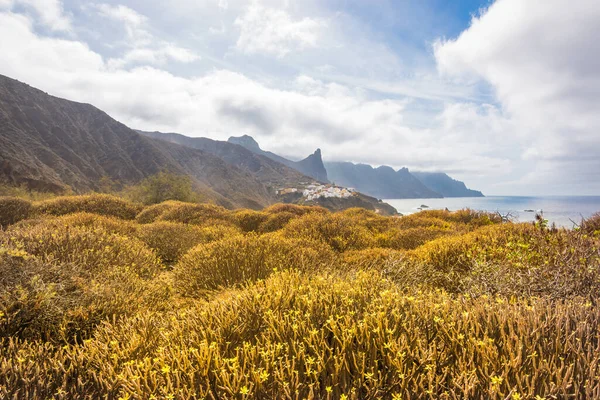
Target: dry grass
[(99, 299)]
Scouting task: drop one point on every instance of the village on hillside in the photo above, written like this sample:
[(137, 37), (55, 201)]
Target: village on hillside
[(316, 191)]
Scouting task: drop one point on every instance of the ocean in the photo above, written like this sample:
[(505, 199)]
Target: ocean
[(562, 210)]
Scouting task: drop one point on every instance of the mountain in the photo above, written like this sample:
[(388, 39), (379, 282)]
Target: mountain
[(445, 185), (382, 182), (311, 166), (52, 144), (267, 170)]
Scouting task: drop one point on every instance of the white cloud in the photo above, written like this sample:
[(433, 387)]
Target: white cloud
[(273, 31), (50, 12), (345, 122), (543, 59), (144, 48)]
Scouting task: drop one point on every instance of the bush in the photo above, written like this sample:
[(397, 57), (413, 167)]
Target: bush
[(197, 214), (275, 222), (110, 224), (411, 238), (241, 259), (591, 226), (371, 259), (298, 336), (295, 209), (334, 229), (93, 249), (101, 204), (43, 298), (162, 187), (152, 213), (172, 240), (13, 210), (248, 220)]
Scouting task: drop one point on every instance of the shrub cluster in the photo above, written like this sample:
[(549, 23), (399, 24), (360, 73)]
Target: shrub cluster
[(100, 298), (12, 210), (102, 204)]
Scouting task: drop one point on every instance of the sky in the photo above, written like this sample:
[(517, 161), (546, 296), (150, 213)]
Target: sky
[(504, 94)]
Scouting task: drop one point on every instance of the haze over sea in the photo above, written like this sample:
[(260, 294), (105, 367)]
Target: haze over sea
[(562, 210)]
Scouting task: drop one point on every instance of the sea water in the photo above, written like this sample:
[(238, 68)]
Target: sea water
[(565, 211)]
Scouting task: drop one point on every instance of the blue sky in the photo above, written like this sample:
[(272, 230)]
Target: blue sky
[(502, 94)]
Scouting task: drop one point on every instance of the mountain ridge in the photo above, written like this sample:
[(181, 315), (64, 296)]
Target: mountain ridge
[(312, 165), (446, 185), (53, 144), (382, 182)]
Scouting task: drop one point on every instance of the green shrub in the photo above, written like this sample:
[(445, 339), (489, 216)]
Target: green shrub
[(101, 204), (12, 210), (162, 187)]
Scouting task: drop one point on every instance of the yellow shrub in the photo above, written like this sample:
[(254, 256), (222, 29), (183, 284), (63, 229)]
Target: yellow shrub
[(13, 209), (244, 258), (422, 220), (93, 249), (334, 229), (410, 238), (83, 219), (322, 337), (295, 209), (151, 213), (375, 258), (248, 220), (171, 240), (277, 221), (101, 204), (197, 214), (63, 301), (369, 219), (591, 226)]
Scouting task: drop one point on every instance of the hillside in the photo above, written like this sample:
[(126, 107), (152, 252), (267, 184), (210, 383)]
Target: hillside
[(52, 144), (267, 170), (382, 182), (311, 166), (446, 186)]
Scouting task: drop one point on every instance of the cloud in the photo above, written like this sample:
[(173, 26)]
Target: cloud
[(542, 58), (143, 47), (333, 85), (272, 31), (50, 12)]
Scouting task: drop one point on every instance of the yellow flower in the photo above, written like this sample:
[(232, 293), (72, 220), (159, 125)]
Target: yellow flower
[(244, 390), (496, 380), (343, 397), (396, 396), (329, 389), (165, 369), (516, 396), (264, 375)]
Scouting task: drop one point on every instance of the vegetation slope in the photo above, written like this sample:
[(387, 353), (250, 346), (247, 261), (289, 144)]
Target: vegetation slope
[(104, 298)]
